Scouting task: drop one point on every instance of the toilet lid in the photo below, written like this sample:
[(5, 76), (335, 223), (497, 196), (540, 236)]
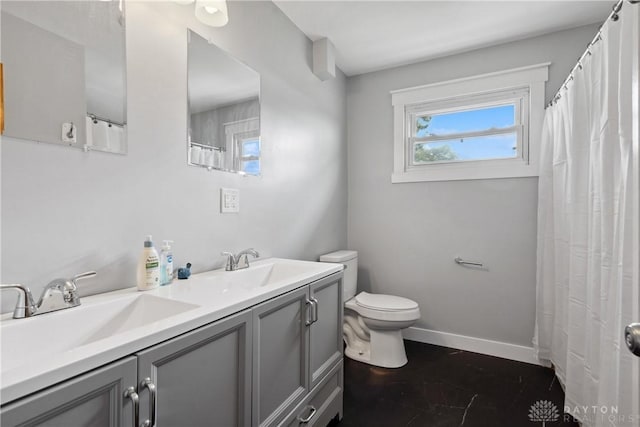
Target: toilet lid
[(384, 302)]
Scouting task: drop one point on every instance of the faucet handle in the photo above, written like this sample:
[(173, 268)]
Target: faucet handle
[(231, 260), (69, 285), (25, 307), (71, 295), (84, 275)]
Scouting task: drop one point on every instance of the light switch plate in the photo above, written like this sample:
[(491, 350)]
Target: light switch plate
[(229, 200)]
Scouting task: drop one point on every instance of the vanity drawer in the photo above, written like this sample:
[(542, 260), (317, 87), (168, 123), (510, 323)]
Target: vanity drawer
[(322, 404)]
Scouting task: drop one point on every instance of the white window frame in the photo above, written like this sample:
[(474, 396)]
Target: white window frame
[(523, 85), (235, 133), (240, 139)]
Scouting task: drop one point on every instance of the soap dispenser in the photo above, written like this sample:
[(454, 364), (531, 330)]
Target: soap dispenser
[(166, 263), (148, 267)]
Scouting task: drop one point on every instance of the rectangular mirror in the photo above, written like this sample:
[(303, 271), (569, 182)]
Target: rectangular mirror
[(224, 110), (64, 73)]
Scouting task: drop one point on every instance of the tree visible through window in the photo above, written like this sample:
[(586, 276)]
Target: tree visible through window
[(467, 134), (433, 154)]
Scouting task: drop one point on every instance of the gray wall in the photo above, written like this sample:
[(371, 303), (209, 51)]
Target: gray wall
[(65, 211), (408, 234)]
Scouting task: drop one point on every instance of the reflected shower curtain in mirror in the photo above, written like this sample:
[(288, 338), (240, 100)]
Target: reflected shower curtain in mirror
[(104, 136), (585, 291)]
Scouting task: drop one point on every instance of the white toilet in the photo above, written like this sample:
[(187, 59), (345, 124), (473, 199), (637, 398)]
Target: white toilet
[(372, 322)]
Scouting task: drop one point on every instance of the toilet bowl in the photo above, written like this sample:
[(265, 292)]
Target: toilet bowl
[(372, 322)]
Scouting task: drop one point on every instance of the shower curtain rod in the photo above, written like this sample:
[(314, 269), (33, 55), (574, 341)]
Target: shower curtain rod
[(612, 16), (111, 122)]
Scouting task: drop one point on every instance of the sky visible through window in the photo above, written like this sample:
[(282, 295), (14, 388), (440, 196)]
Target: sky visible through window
[(251, 147), (476, 148)]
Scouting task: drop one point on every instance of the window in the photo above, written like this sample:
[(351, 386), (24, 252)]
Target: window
[(473, 128), (243, 142), (249, 158)]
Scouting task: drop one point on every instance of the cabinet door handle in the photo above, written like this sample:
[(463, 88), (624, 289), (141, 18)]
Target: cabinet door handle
[(312, 412), (314, 307), (130, 393), (309, 312), (147, 383)]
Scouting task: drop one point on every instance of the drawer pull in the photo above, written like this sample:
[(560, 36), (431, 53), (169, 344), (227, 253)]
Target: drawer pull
[(130, 393), (312, 412), (147, 383), (314, 312), (312, 304)]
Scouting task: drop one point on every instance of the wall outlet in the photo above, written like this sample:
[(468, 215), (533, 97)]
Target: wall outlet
[(229, 200), (69, 132)]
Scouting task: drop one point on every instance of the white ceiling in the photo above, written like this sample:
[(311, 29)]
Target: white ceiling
[(373, 35)]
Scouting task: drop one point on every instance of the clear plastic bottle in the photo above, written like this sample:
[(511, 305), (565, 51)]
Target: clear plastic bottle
[(148, 267), (166, 263)]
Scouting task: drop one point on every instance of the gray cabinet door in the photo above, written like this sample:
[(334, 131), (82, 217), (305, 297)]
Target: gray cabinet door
[(202, 378), (95, 399), (326, 332), (281, 354)]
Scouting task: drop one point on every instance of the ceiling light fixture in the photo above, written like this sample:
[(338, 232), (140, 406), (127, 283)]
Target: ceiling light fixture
[(210, 12)]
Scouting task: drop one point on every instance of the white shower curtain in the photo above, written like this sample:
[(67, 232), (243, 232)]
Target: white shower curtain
[(585, 291)]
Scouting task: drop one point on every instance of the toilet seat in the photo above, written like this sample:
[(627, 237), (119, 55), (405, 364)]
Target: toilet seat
[(384, 302), (384, 307)]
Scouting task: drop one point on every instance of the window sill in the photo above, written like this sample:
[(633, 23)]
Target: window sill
[(451, 172)]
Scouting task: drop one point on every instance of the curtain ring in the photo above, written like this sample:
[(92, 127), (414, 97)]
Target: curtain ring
[(616, 8)]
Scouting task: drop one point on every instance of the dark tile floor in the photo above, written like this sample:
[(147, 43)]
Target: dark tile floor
[(447, 387)]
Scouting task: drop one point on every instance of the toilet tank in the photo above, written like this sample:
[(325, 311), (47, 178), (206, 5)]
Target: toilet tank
[(350, 260)]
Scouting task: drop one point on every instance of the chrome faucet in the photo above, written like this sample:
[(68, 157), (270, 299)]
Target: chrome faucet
[(239, 261), (57, 295)]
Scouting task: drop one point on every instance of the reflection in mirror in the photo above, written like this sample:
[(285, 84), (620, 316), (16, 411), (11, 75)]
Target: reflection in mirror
[(224, 110), (64, 73)]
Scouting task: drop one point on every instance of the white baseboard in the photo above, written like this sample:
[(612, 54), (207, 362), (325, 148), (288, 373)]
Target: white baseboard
[(504, 350)]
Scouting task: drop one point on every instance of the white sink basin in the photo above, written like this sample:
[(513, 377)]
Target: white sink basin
[(26, 340), (267, 273)]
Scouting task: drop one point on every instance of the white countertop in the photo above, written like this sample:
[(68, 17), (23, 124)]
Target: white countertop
[(46, 349)]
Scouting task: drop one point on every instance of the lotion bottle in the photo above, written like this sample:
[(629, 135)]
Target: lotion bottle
[(166, 263), (148, 267)]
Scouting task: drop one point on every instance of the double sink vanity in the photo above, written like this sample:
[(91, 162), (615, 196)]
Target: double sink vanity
[(260, 346)]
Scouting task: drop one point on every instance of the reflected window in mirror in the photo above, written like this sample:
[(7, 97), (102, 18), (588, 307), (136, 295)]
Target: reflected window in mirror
[(65, 73), (224, 110), (249, 159)]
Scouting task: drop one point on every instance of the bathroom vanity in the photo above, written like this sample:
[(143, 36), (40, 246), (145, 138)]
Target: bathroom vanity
[(256, 347)]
